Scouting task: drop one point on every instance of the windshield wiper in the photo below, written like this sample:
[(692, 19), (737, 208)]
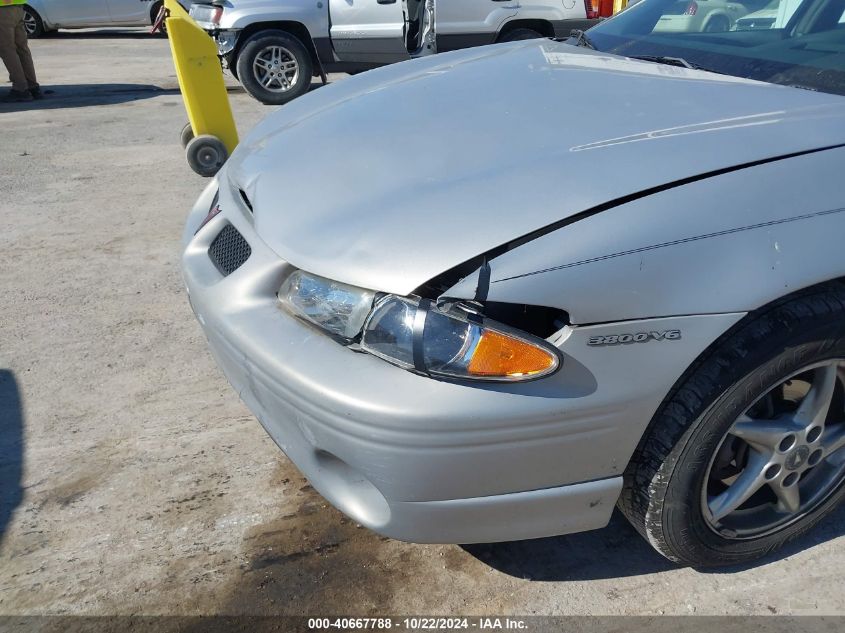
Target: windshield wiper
[(673, 61), (581, 39)]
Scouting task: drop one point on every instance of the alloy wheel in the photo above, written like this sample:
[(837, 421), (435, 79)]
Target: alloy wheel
[(782, 457), (276, 69), (29, 23)]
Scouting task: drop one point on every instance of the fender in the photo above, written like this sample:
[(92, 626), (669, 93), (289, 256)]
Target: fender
[(728, 243)]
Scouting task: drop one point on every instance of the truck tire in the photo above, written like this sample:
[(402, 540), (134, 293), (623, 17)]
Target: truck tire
[(735, 463), (232, 65), (274, 67)]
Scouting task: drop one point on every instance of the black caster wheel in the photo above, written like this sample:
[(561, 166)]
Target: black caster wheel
[(186, 135), (206, 154)]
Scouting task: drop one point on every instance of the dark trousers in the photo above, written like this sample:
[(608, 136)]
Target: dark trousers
[(14, 50)]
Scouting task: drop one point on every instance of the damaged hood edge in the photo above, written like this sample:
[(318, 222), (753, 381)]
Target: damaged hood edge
[(388, 179)]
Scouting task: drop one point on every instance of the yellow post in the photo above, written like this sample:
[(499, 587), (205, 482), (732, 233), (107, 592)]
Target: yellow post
[(200, 77), (618, 5)]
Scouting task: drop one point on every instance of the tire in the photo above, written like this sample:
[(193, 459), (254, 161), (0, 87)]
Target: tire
[(232, 65), (186, 135), (206, 154), (291, 82), (666, 492), (32, 22), (520, 34), (717, 24)]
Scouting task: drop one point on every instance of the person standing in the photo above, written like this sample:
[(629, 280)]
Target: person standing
[(14, 51)]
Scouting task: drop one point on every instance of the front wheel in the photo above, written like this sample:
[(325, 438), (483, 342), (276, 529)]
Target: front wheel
[(749, 451), (32, 22), (274, 67)]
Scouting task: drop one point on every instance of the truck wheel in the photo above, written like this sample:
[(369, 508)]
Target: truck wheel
[(274, 67), (232, 65), (206, 154), (32, 22), (748, 451), (520, 34)]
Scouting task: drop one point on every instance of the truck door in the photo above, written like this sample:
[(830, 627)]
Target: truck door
[(368, 30), (465, 23)]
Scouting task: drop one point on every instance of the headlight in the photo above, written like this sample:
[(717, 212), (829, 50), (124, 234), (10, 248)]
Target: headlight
[(336, 307), (417, 336)]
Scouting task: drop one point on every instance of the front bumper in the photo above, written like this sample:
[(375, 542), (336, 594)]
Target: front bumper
[(411, 457), (226, 41)]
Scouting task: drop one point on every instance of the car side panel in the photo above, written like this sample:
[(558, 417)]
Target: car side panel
[(130, 12), (473, 17), (728, 243), (79, 13), (551, 10)]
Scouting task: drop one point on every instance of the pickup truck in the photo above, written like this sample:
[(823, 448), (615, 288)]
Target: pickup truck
[(275, 47)]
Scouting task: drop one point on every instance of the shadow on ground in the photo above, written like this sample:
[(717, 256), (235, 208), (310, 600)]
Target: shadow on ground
[(617, 551), (140, 33), (614, 552), (11, 448), (83, 95)]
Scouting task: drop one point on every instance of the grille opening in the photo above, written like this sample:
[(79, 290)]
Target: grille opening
[(229, 250)]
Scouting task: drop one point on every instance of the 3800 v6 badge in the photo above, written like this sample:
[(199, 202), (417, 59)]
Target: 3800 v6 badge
[(639, 337)]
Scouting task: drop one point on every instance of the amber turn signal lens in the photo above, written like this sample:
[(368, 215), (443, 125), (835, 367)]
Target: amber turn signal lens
[(500, 355)]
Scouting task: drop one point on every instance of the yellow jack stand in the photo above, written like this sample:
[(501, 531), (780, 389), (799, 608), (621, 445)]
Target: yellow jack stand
[(210, 136)]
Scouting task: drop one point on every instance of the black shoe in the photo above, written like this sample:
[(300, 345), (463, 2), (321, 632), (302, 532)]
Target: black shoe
[(17, 96), (36, 93)]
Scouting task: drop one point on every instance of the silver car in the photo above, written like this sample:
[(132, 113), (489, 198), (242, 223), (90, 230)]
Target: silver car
[(42, 16), (494, 294)]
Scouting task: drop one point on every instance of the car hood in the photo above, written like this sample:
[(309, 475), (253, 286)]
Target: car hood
[(387, 179)]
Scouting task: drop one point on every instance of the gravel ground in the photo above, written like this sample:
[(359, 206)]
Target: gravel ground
[(132, 479)]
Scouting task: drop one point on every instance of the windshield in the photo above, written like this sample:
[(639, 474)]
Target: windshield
[(798, 43)]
